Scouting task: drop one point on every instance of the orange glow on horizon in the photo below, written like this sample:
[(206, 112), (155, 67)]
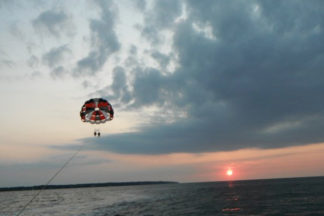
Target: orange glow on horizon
[(213, 166)]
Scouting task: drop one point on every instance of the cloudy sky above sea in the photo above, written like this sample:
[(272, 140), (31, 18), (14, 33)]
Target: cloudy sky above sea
[(198, 87)]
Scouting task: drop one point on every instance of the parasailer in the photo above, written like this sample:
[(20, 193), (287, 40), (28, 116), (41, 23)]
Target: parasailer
[(96, 111)]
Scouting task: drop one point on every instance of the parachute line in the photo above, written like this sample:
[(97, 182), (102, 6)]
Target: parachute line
[(50, 180)]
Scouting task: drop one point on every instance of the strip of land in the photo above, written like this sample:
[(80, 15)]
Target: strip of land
[(107, 184)]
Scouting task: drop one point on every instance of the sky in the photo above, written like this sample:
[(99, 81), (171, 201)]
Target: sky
[(198, 88)]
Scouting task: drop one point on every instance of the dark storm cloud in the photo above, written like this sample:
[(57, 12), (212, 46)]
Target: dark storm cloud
[(104, 41), (255, 80), (54, 23)]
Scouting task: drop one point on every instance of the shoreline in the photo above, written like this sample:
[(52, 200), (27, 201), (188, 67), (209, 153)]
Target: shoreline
[(67, 186)]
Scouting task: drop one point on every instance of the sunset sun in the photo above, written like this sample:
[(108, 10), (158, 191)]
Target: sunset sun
[(229, 172)]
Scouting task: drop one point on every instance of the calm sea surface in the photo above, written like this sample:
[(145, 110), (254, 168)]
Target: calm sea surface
[(299, 196)]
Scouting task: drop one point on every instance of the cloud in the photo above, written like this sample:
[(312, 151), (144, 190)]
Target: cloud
[(8, 4), (16, 30), (58, 72), (6, 63), (56, 161), (34, 75), (161, 17), (104, 41), (5, 60), (119, 85), (161, 58), (39, 171), (54, 23), (56, 55), (140, 4), (118, 91), (253, 79), (33, 61)]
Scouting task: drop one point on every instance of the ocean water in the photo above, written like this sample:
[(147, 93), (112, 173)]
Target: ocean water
[(293, 197)]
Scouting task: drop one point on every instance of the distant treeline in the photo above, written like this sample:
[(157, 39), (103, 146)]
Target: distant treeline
[(107, 184)]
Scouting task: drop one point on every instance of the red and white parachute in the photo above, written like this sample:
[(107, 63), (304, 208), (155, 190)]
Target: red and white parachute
[(96, 111)]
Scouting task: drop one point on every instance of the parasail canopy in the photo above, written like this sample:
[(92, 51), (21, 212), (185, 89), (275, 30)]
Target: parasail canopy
[(96, 111)]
